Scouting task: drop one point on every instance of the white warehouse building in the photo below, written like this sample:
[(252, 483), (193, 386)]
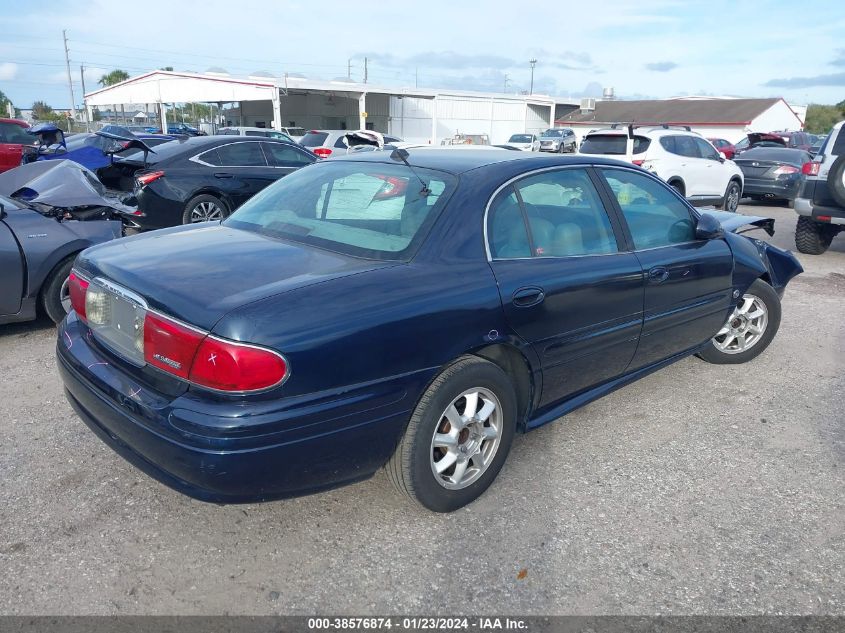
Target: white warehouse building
[(414, 114)]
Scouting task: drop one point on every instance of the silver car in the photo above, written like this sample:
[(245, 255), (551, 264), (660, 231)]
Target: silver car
[(326, 143), (558, 139)]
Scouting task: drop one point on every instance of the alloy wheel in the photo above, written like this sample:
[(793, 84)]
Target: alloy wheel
[(745, 327), (732, 201), (64, 295), (466, 438), (206, 211)]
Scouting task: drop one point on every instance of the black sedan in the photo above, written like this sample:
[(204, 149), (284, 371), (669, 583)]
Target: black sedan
[(207, 177), (772, 173), (411, 310)]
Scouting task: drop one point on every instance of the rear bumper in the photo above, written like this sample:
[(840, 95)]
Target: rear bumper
[(771, 188), (184, 445), (813, 200)]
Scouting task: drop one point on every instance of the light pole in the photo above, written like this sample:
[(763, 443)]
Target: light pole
[(533, 62)]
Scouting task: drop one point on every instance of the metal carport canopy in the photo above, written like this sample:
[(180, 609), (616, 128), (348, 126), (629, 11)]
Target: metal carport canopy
[(163, 86)]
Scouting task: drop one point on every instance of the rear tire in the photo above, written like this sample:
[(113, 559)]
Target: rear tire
[(749, 329), (204, 208), (55, 294), (458, 438), (732, 195), (811, 237)]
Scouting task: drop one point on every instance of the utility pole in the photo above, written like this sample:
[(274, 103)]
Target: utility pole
[(69, 81), (349, 68), (365, 70), (84, 106), (417, 77), (507, 80), (533, 63)]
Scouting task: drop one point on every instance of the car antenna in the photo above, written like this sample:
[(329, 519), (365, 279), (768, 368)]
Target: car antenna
[(400, 154)]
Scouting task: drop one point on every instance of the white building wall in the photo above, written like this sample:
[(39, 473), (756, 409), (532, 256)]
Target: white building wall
[(779, 117), (411, 118), (537, 119)]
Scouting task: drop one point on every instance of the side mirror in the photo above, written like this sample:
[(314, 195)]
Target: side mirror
[(708, 228), (722, 156)]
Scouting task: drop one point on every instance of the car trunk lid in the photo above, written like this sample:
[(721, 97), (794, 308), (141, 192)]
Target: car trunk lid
[(179, 271)]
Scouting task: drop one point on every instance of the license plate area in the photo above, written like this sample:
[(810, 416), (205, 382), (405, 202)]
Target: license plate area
[(116, 317)]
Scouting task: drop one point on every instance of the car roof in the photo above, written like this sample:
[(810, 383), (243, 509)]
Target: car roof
[(15, 121), (464, 160)]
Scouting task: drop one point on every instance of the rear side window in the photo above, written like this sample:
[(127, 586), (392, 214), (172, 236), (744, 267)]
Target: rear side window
[(211, 157), (281, 155), (241, 155), (564, 215), (339, 142), (314, 139), (654, 214), (507, 235)]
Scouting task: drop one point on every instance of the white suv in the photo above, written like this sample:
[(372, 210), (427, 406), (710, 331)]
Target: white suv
[(682, 158)]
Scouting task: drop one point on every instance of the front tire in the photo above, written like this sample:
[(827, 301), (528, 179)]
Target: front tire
[(749, 329), (458, 438), (55, 293), (811, 237), (204, 208)]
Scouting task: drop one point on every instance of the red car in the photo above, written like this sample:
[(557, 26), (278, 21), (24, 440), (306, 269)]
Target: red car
[(723, 146), (13, 140)]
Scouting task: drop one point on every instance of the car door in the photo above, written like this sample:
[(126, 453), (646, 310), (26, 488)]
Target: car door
[(693, 168), (688, 282), (716, 177), (243, 170), (567, 287), (11, 263)]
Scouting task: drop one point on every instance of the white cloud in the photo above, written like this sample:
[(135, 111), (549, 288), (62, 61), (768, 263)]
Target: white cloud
[(8, 71)]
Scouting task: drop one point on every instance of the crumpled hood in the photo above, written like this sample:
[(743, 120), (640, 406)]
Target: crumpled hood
[(199, 273)]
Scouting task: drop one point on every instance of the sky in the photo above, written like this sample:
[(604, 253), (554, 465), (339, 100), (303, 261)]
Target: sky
[(640, 48)]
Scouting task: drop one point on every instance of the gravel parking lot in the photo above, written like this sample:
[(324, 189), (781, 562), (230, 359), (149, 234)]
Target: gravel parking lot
[(701, 489)]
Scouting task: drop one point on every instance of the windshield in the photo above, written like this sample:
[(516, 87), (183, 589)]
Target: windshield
[(364, 209), (553, 133), (520, 138)]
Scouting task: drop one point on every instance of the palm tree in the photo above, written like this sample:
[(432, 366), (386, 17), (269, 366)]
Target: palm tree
[(112, 78)]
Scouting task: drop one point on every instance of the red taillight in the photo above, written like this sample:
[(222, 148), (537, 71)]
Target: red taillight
[(145, 179), (391, 188), (228, 366), (810, 169), (170, 346), (638, 163), (78, 287), (822, 218), (322, 152), (208, 361), (784, 170)]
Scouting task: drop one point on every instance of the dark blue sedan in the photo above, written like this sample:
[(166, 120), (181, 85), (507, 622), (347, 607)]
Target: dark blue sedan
[(410, 311)]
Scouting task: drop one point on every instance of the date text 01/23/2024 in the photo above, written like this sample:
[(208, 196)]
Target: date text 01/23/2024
[(418, 623)]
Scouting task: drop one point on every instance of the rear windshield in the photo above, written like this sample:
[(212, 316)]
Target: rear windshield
[(364, 209), (520, 138), (161, 152), (296, 131), (613, 144), (314, 139), (795, 157)]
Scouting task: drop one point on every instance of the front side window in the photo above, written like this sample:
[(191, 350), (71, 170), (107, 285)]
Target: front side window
[(241, 155), (706, 150), (565, 218), (14, 133), (363, 209), (655, 216)]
